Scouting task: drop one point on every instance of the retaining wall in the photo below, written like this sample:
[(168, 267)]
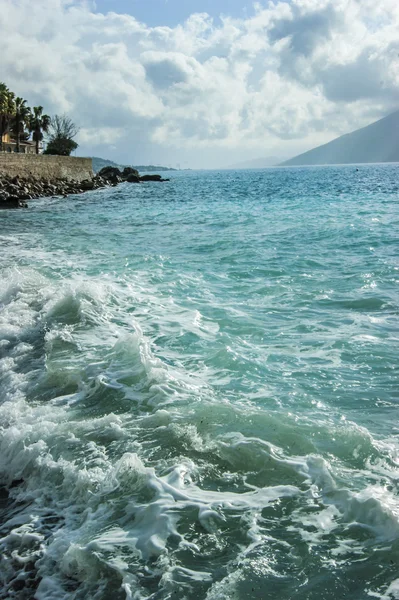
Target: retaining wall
[(39, 166)]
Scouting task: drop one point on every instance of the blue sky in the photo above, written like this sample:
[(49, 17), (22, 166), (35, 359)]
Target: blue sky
[(173, 12)]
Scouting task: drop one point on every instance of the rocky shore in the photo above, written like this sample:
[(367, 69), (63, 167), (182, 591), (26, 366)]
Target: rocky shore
[(16, 191)]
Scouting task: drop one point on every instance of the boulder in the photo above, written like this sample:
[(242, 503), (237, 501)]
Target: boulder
[(13, 189), (87, 184), (132, 178), (13, 202), (150, 178), (127, 171), (109, 173)]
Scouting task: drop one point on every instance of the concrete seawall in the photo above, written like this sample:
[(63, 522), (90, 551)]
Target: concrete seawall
[(39, 167)]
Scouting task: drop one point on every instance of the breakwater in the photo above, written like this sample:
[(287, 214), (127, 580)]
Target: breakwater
[(16, 190), (42, 167)]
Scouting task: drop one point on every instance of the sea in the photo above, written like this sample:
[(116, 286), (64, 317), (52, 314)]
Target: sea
[(199, 389)]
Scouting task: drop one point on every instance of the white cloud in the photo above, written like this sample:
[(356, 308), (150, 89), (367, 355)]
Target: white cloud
[(292, 75)]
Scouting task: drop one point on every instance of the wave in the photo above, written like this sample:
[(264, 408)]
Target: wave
[(182, 429)]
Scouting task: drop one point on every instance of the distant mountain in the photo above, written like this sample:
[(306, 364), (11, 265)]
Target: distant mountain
[(100, 163), (376, 143), (151, 168), (258, 163)]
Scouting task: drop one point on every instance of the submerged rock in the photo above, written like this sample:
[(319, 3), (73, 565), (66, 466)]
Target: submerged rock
[(13, 202)]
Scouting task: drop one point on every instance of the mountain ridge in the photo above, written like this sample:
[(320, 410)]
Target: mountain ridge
[(99, 163), (375, 143)]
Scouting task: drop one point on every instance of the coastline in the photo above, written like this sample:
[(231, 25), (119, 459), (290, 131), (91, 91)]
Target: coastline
[(16, 191)]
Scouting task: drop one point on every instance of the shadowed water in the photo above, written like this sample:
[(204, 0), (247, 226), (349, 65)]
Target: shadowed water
[(199, 389)]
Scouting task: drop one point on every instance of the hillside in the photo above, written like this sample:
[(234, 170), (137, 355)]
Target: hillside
[(376, 143), (99, 163)]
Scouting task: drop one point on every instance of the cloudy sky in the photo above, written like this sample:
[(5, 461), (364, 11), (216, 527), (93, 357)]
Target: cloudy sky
[(204, 83)]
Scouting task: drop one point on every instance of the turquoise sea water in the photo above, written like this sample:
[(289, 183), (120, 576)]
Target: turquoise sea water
[(199, 389)]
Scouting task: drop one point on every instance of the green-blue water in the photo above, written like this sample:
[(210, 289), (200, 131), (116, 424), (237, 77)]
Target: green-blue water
[(199, 389)]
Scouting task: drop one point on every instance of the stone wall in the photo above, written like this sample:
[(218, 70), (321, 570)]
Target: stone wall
[(39, 166)]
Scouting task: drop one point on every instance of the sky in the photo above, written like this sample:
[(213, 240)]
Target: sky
[(173, 12), (203, 83)]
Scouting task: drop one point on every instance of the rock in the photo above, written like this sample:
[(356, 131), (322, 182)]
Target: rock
[(150, 178), (109, 173), (87, 184), (132, 178), (14, 191), (24, 195), (127, 171), (13, 202)]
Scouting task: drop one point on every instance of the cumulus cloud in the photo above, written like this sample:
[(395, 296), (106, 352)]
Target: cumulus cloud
[(293, 74)]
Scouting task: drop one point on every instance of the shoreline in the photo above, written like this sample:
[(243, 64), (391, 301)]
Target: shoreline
[(16, 191)]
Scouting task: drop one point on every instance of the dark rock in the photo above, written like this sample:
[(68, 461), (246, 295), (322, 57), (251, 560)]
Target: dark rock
[(3, 497), (12, 189), (15, 191), (150, 178), (132, 178), (127, 171), (109, 173), (16, 483), (13, 203), (87, 184)]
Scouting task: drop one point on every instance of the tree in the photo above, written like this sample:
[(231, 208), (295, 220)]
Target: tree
[(62, 130), (21, 120), (60, 147), (39, 124), (7, 110)]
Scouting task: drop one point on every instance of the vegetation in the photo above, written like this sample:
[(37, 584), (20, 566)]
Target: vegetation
[(62, 130), (7, 110), (39, 125), (20, 121), (99, 163), (23, 122)]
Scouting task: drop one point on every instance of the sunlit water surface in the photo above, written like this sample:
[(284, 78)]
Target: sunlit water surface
[(199, 389)]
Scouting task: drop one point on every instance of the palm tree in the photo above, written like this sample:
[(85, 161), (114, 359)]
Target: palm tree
[(39, 123), (7, 110), (22, 119)]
